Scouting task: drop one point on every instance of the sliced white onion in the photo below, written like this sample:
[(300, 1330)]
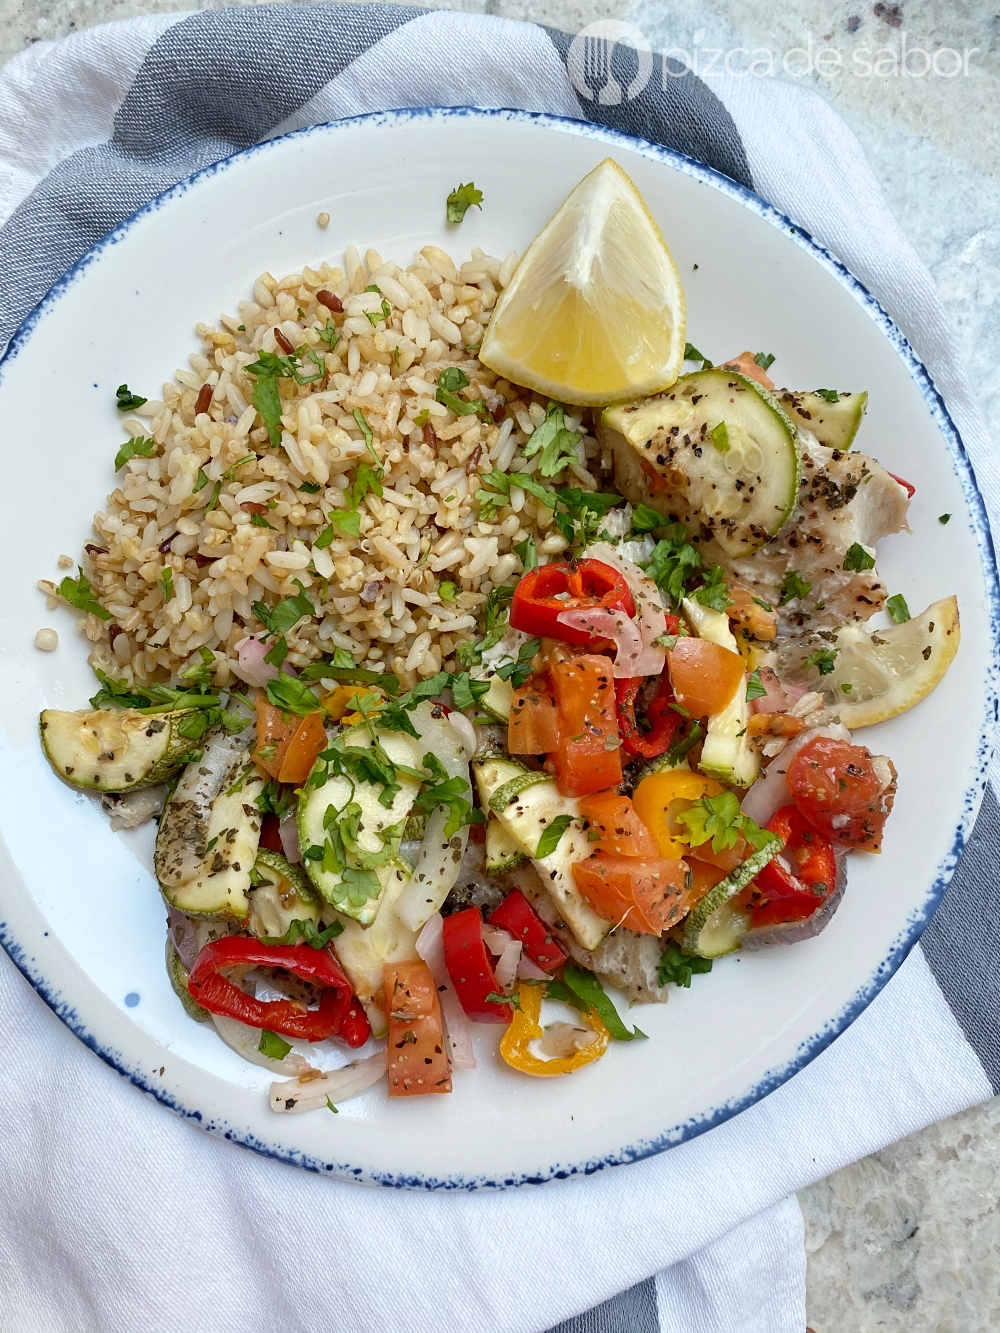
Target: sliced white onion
[(250, 665), (466, 732), (495, 938), (530, 971), (506, 968), (245, 1041), (770, 792), (779, 697), (430, 947), (312, 1092), (288, 830)]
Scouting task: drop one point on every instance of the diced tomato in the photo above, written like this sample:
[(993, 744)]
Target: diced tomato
[(416, 1049), (301, 748), (645, 894), (615, 827), (587, 757), (287, 745), (703, 878), (534, 721), (779, 895), (704, 675), (657, 482), (838, 790), (726, 859)]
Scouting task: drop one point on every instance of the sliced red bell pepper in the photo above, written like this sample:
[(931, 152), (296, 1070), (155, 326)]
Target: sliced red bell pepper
[(776, 894), (907, 486), (471, 969), (663, 720), (582, 585), (517, 915), (355, 1029), (290, 1018)]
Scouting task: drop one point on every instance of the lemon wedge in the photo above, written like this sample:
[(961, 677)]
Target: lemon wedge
[(594, 312), (890, 670)]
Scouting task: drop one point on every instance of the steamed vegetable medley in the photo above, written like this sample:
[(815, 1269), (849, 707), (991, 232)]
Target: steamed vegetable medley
[(648, 761)]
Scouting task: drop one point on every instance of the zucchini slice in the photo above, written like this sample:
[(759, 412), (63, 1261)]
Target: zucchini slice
[(503, 852), (115, 749), (726, 754), (526, 816), (206, 844), (498, 699), (725, 448), (834, 424), (714, 927), (178, 975), (378, 833), (281, 894)]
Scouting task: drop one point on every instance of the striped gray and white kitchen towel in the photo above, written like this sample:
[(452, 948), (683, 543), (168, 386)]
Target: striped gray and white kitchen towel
[(118, 1215)]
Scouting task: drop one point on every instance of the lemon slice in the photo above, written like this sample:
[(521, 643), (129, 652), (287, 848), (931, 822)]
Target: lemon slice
[(890, 670), (594, 313)]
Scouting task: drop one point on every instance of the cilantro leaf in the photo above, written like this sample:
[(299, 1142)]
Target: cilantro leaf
[(267, 400), (792, 586), (590, 990), (857, 558), (273, 1046), (527, 552), (678, 967), (831, 395), (720, 819), (823, 659), (292, 695), (259, 521), (683, 745), (465, 691), (461, 199), (691, 353), (645, 519), (755, 690), (673, 564), (366, 431), (453, 378), (277, 652), (140, 446), (446, 591), (551, 836), (764, 359), (518, 672), (288, 612), (330, 336), (713, 592), (127, 400), (943, 518), (166, 582), (556, 444), (310, 487), (79, 593), (847, 687), (897, 608)]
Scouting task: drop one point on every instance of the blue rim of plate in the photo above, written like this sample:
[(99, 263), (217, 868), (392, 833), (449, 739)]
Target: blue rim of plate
[(808, 1050)]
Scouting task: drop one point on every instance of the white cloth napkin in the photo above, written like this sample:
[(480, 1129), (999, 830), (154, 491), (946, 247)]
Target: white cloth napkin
[(117, 1215)]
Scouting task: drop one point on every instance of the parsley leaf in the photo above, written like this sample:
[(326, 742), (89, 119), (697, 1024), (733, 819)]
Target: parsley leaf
[(755, 690), (288, 612), (446, 591), (557, 445), (259, 521), (518, 672), (831, 395), (267, 400), (823, 659), (680, 748), (857, 558), (719, 436), (527, 551), (552, 836), (140, 446), (590, 990), (792, 586), (330, 336), (277, 652), (713, 592), (764, 359), (453, 378), (465, 691), (645, 519), (943, 518), (310, 487), (461, 199), (678, 967), (273, 1046), (166, 582), (447, 793), (720, 819), (897, 608), (673, 563), (366, 431), (127, 400), (292, 695), (79, 593), (691, 353), (306, 931)]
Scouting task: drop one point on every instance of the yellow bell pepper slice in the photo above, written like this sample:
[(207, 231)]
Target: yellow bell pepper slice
[(661, 797), (515, 1046)]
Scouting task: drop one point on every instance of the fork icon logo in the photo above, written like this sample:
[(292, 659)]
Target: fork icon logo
[(588, 61)]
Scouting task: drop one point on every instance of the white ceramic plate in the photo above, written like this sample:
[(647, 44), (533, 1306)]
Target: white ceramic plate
[(80, 914)]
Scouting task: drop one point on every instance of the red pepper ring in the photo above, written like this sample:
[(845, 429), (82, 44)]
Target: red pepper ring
[(778, 896), (219, 995), (517, 915), (583, 585), (663, 719)]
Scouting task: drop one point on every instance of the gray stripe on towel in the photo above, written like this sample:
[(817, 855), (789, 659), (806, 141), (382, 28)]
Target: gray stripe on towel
[(962, 942), (632, 1311)]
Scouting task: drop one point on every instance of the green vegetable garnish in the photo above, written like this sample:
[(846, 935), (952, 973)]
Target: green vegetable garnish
[(897, 608), (79, 593), (461, 199), (127, 400), (552, 836), (273, 1046), (857, 558), (590, 990), (792, 586), (140, 446)]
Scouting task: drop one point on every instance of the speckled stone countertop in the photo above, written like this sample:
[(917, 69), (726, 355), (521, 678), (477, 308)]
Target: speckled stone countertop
[(909, 1238)]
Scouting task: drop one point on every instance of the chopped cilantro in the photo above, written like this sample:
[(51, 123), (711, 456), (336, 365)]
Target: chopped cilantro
[(760, 602), (556, 444), (288, 612), (273, 1046), (673, 564), (714, 592), (446, 591), (330, 336), (552, 836), (306, 931), (691, 353), (292, 695), (366, 431), (831, 395), (518, 672), (310, 488), (527, 553), (792, 586), (720, 819), (857, 558), (79, 593), (678, 967), (140, 446), (943, 518), (847, 687), (127, 400), (259, 521), (166, 582), (461, 199), (645, 519), (755, 690), (823, 660), (277, 652), (465, 691), (764, 359), (897, 608)]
